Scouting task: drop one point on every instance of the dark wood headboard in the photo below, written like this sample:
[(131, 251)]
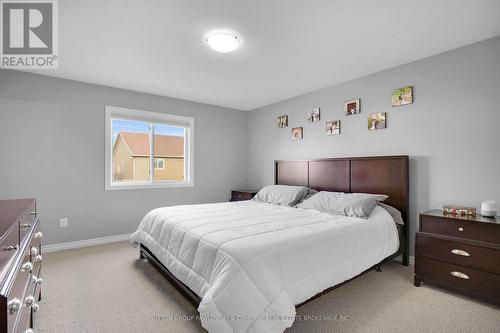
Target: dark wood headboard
[(379, 174)]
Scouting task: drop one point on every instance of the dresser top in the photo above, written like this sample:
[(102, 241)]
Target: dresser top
[(10, 211), (477, 218)]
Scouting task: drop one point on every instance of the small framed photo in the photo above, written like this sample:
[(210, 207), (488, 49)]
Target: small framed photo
[(333, 127), (352, 107), (313, 115), (297, 133), (402, 96), (377, 121), (282, 121)]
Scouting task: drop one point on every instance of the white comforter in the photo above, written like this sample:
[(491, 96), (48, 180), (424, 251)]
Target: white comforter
[(251, 262)]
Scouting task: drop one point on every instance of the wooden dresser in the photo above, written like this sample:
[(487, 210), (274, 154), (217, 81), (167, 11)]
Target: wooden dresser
[(20, 265), (462, 253), (242, 195)]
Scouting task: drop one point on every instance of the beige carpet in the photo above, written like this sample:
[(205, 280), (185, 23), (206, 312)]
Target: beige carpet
[(108, 289)]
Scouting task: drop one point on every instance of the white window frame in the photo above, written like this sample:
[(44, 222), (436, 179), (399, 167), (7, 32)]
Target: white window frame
[(114, 112)]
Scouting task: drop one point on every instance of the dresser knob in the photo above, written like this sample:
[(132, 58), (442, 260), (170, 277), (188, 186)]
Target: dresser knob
[(460, 229), (34, 212), (27, 266), (38, 235), (36, 280), (459, 252), (35, 307), (34, 251), (460, 275), (11, 248), (26, 225), (29, 301), (38, 258), (14, 305)]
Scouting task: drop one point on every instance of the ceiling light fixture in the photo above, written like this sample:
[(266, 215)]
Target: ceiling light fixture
[(223, 41)]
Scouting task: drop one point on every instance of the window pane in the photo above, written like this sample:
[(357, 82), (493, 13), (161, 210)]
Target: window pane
[(131, 147), (169, 153)]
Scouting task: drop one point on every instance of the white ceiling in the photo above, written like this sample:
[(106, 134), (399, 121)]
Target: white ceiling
[(290, 47)]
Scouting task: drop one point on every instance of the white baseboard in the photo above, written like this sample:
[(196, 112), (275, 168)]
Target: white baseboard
[(84, 243)]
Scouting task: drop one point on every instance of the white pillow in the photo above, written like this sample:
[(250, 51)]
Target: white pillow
[(282, 194), (395, 214), (357, 205)]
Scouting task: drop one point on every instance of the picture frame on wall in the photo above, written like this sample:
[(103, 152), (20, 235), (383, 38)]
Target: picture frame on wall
[(352, 107), (377, 121), (313, 115), (282, 121), (333, 127), (297, 133), (402, 96)]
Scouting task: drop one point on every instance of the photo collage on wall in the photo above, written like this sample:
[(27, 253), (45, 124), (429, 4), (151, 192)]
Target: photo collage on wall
[(376, 121)]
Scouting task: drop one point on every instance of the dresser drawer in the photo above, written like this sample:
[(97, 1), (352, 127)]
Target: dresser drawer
[(36, 249), (461, 253), (27, 220), (17, 294), (9, 245), (464, 229), (24, 320), (33, 290), (466, 279)]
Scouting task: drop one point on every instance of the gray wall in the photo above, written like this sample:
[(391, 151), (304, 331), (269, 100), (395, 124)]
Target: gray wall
[(52, 140), (52, 148), (451, 132)]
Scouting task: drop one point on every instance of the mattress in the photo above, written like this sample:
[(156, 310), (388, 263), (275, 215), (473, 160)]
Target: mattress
[(252, 262)]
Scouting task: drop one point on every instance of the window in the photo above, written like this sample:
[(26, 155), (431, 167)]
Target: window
[(159, 164), (140, 145)]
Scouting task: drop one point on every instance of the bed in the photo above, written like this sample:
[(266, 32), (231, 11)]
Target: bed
[(248, 264)]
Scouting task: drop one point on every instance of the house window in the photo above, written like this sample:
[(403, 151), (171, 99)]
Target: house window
[(139, 146), (159, 164)]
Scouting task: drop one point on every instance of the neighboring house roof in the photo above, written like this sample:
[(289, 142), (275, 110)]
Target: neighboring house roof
[(165, 145)]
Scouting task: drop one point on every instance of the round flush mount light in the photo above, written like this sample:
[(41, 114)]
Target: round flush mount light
[(223, 41)]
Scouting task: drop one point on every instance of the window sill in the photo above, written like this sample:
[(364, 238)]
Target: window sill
[(116, 187)]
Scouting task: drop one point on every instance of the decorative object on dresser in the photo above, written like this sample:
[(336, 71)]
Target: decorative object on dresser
[(459, 210), (459, 252), (489, 208), (20, 264), (242, 195)]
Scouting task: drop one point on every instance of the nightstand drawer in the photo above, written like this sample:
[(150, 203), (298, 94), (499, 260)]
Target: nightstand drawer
[(241, 195), (463, 229), (487, 259), (466, 279)]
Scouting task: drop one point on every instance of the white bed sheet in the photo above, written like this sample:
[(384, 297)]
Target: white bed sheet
[(251, 262)]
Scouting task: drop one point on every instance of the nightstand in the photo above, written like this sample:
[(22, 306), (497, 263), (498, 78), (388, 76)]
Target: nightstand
[(459, 252), (242, 195)]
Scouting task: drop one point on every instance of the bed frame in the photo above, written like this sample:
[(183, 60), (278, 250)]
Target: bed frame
[(378, 174)]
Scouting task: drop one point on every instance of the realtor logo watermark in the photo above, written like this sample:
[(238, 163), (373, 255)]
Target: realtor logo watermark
[(29, 38)]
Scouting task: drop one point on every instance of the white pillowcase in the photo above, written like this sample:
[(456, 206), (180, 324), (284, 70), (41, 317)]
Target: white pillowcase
[(357, 205), (395, 214), (282, 194)]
